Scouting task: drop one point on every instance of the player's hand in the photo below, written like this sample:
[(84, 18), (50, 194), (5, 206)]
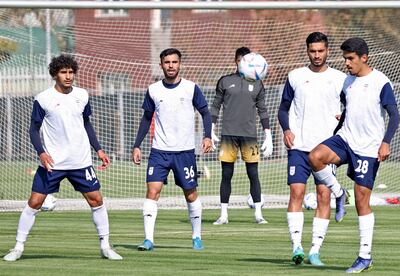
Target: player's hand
[(136, 156), (105, 159), (214, 137), (267, 147), (383, 152), (207, 145), (47, 161), (288, 138)]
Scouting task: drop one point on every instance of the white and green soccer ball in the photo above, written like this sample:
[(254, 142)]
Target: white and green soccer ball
[(310, 201), (49, 203), (250, 201)]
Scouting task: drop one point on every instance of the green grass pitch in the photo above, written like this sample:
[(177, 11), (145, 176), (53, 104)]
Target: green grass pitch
[(65, 243)]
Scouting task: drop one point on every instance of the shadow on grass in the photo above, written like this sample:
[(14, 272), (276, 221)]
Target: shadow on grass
[(290, 265), (135, 246), (71, 257)]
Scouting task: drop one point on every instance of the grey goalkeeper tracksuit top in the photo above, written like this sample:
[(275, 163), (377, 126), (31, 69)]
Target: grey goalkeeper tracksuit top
[(241, 99)]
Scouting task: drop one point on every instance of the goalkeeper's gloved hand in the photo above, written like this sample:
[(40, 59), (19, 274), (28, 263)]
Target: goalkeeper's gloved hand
[(267, 147), (214, 137)]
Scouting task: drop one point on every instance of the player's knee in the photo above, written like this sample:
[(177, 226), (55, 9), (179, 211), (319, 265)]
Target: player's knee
[(152, 194), (190, 195), (324, 199), (35, 202), (95, 202), (315, 157), (296, 196)]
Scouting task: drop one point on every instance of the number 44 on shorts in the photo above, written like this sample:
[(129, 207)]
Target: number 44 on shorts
[(90, 174)]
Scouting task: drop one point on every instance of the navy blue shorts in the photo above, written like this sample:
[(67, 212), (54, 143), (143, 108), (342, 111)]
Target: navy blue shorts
[(84, 180), (361, 169), (183, 164), (299, 169)]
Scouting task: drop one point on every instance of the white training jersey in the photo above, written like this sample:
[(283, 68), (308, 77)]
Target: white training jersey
[(174, 107), (62, 132), (315, 103), (364, 125)]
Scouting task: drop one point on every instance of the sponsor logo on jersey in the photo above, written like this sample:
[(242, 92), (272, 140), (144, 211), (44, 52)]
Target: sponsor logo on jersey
[(151, 170), (292, 170), (251, 87)]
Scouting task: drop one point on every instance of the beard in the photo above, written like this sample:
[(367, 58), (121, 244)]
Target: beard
[(168, 76)]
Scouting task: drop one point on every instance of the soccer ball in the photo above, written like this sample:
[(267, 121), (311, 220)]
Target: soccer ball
[(250, 202), (310, 201), (49, 203), (253, 67)]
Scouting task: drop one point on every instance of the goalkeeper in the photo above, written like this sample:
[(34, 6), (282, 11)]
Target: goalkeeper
[(241, 100)]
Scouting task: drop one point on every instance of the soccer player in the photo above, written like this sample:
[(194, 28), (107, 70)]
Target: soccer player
[(361, 142), (308, 115), (62, 134), (174, 100), (241, 100)]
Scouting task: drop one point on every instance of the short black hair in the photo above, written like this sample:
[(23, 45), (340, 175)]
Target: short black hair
[(60, 62), (242, 51), (356, 45), (316, 37), (170, 51)]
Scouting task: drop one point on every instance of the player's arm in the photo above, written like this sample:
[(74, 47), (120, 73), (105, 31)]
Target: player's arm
[(215, 107), (218, 100), (145, 123), (343, 115), (283, 114), (261, 105), (200, 103), (37, 118), (388, 101), (94, 142)]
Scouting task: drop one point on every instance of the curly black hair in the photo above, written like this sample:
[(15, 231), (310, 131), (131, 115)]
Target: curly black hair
[(60, 62)]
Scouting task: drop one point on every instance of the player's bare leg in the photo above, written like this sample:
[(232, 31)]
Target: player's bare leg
[(320, 158)]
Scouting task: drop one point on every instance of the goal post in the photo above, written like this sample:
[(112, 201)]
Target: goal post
[(117, 44)]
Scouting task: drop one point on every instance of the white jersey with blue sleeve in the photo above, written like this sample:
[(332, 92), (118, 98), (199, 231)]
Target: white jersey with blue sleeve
[(315, 101), (364, 124), (62, 129), (174, 106)]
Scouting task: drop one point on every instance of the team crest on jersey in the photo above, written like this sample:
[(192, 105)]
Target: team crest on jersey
[(292, 170), (251, 87), (151, 170)]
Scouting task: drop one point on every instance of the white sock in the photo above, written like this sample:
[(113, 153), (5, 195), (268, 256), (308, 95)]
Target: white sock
[(327, 177), (224, 210), (100, 220), (258, 208), (319, 229), (149, 218), (366, 226), (295, 224), (26, 221), (195, 210)]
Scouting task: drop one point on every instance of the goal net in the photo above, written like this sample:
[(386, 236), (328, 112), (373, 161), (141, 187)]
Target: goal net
[(117, 51)]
